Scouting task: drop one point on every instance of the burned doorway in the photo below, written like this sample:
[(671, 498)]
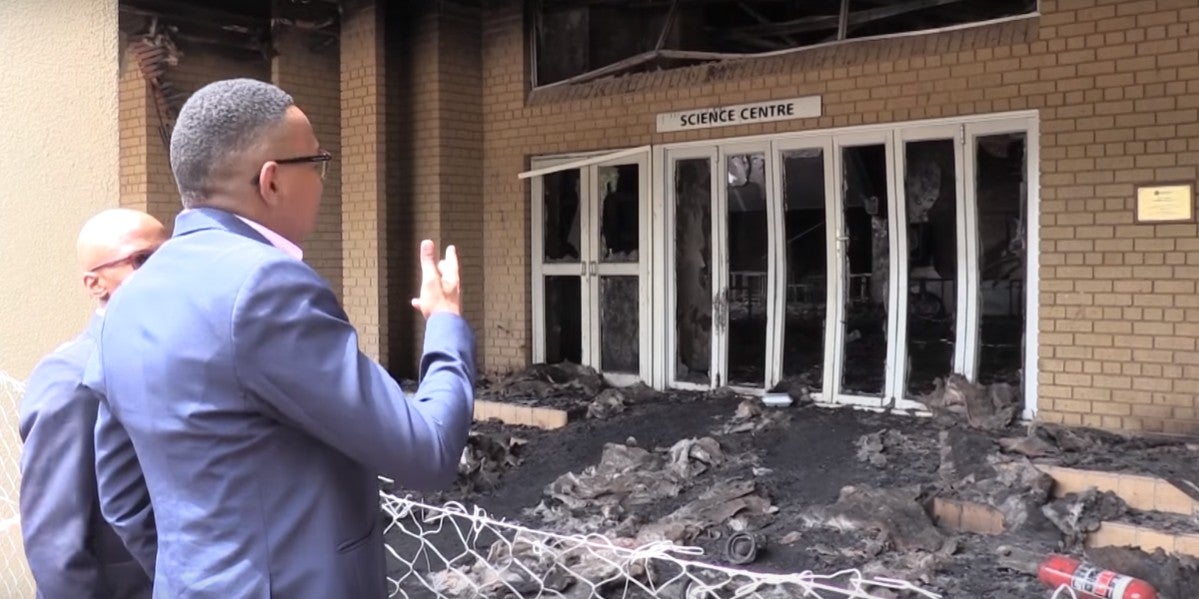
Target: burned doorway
[(590, 294), (720, 257), (864, 265)]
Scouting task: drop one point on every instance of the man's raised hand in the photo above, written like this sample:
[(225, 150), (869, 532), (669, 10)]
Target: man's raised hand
[(439, 289)]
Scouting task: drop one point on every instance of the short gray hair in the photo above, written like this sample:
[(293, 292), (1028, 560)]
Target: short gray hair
[(220, 120)]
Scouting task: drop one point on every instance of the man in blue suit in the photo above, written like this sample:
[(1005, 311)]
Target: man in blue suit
[(72, 551), (259, 425)]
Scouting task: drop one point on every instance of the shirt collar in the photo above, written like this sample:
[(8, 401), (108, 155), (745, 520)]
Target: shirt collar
[(276, 239)]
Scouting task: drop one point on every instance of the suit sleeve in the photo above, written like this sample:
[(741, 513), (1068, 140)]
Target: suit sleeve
[(57, 482), (296, 350), (124, 498)]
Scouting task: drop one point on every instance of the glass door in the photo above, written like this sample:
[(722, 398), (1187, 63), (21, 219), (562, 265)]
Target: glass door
[(931, 264), (690, 185), (744, 267), (616, 257), (865, 244), (590, 281), (560, 218), (805, 229), (1000, 176)]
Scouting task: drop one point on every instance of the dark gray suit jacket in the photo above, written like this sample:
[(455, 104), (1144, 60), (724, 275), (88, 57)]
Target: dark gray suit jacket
[(259, 425), (71, 550)]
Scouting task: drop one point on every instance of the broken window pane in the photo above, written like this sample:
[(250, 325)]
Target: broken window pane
[(560, 196), (1002, 192), (693, 270), (748, 236), (583, 41), (563, 319), (867, 268), (807, 269), (930, 191), (869, 18), (620, 336), (620, 189)]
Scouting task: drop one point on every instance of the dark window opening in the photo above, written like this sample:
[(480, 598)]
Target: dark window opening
[(577, 40)]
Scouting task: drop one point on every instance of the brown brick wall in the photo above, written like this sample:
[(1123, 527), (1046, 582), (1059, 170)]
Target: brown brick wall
[(435, 150), (312, 77), (1116, 84), (364, 190), (146, 180)]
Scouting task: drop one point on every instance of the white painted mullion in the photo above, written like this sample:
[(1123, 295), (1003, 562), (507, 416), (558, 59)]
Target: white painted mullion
[(1032, 275), (834, 286), (537, 229), (967, 354), (590, 283), (776, 281), (661, 236), (559, 269), (618, 269), (668, 286), (897, 274), (838, 277), (720, 279), (645, 276)]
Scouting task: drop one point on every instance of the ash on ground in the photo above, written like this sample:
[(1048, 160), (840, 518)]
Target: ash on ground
[(817, 489)]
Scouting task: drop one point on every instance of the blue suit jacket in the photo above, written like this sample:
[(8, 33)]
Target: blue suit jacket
[(72, 551), (259, 425)]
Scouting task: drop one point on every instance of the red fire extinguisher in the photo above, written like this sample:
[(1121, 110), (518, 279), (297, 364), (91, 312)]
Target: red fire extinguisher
[(1091, 582)]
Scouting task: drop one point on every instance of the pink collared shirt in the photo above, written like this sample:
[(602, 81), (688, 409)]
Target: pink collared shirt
[(276, 239)]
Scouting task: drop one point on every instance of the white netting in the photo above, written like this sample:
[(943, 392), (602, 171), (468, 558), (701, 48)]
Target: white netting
[(453, 552), (15, 580)]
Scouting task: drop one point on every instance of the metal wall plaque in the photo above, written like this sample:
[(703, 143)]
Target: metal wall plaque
[(1165, 203)]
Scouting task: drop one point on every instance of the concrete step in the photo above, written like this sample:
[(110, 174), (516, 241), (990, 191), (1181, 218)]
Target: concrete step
[(1167, 518), (546, 418), (1140, 492), (1172, 526)]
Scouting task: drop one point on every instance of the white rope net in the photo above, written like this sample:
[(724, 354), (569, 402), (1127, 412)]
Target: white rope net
[(455, 552), (15, 580)]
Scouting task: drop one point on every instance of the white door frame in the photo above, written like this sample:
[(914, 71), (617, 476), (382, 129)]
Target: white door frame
[(658, 363), (885, 138), (666, 260), (774, 362), (588, 164), (1029, 125), (956, 135), (640, 269), (721, 258)]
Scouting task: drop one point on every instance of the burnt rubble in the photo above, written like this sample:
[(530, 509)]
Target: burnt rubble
[(806, 488)]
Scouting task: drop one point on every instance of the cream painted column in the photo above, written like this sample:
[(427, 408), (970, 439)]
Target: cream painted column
[(58, 95), (363, 185)]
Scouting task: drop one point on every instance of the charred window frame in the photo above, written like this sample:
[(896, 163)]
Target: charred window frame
[(574, 41)]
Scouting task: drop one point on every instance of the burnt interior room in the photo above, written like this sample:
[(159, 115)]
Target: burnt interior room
[(1003, 257), (578, 40)]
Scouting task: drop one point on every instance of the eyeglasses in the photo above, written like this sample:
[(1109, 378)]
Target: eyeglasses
[(322, 159), (136, 260)]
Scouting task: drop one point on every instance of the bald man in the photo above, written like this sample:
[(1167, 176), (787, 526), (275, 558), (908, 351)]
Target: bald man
[(71, 550)]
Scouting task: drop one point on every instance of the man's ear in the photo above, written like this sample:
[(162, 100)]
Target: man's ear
[(268, 186), (96, 289)]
